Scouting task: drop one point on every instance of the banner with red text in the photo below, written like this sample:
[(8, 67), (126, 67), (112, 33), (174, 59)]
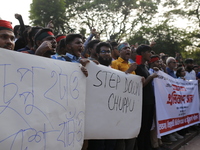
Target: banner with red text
[(177, 103)]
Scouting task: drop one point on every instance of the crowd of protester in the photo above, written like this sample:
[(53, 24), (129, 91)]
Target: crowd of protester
[(135, 59)]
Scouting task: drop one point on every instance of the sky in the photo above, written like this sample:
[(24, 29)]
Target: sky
[(10, 7)]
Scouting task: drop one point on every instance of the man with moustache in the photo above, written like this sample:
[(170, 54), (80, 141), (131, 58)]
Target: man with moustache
[(103, 51), (7, 38), (122, 64)]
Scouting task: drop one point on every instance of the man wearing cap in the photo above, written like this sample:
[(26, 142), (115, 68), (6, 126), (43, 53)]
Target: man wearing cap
[(6, 35), (122, 62), (45, 43)]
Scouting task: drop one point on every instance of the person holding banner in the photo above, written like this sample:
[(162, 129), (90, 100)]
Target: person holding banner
[(103, 51), (171, 65), (148, 106), (7, 38), (122, 64)]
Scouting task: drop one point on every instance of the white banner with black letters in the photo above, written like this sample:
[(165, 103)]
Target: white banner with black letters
[(113, 103)]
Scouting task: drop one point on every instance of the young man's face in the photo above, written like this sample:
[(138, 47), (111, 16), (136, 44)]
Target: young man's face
[(157, 64), (146, 55), (51, 39), (105, 57), (189, 65), (115, 52), (7, 39), (125, 53), (76, 47)]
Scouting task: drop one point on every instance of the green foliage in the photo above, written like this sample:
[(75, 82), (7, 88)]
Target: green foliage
[(42, 11), (114, 18), (169, 40)]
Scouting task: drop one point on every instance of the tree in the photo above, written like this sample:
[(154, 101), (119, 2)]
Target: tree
[(114, 19), (189, 9), (169, 40), (42, 11)]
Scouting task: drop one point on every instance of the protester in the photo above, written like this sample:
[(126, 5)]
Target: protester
[(122, 62), (171, 65), (45, 43), (91, 48), (190, 73), (103, 51), (133, 55), (180, 73), (115, 52), (148, 101), (6, 35)]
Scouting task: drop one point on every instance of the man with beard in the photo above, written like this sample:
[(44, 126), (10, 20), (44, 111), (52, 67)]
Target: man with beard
[(190, 73), (103, 51), (45, 43), (6, 35)]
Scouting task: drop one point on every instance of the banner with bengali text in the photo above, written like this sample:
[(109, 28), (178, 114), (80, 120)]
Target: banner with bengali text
[(177, 103), (42, 103)]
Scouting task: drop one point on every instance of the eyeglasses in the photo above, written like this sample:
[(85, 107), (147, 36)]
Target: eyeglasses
[(105, 51)]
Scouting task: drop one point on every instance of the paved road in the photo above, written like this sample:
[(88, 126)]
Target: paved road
[(193, 144)]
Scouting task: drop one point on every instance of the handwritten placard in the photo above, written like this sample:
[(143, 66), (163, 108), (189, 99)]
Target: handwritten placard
[(113, 103), (42, 103)]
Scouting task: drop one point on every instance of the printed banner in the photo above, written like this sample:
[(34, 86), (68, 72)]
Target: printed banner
[(42, 103), (113, 103), (177, 103)]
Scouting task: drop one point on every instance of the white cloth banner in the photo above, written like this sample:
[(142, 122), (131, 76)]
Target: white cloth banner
[(42, 103), (177, 103), (113, 103)]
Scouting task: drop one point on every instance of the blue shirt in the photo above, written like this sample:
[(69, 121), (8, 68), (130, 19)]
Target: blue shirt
[(59, 57), (130, 61), (71, 57), (171, 72)]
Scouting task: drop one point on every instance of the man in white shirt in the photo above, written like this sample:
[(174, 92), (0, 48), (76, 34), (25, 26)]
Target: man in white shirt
[(190, 73)]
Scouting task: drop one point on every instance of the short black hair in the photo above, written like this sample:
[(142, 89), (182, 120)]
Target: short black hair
[(60, 46), (189, 61), (70, 38), (92, 43), (113, 44), (178, 71), (102, 44), (143, 48), (32, 32)]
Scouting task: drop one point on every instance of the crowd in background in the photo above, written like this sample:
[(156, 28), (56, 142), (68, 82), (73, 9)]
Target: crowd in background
[(127, 57)]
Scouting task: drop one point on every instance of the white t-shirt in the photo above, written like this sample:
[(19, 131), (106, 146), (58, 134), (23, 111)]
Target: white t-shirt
[(190, 75)]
